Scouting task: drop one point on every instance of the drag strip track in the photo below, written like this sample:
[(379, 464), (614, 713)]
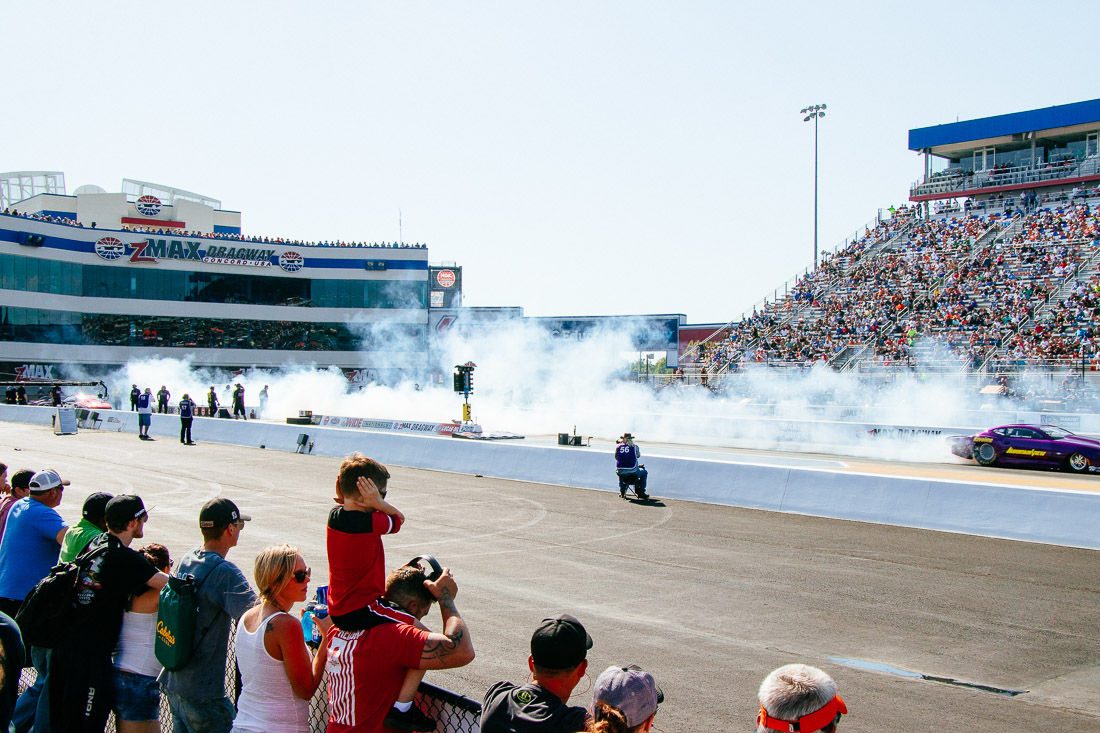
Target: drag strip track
[(708, 598)]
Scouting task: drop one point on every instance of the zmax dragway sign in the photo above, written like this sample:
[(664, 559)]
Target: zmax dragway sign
[(152, 250)]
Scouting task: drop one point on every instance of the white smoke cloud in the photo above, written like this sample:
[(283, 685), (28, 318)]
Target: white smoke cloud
[(531, 383)]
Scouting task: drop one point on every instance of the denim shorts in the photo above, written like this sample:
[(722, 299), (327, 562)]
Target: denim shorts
[(145, 418), (137, 697)]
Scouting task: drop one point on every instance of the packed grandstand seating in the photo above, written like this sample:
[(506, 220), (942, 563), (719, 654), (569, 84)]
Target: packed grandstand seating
[(958, 290), (220, 235)]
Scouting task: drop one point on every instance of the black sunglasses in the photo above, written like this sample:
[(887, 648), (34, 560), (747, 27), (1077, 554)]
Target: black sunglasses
[(301, 576)]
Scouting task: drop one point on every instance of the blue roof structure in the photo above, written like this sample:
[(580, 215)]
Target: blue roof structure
[(1062, 115)]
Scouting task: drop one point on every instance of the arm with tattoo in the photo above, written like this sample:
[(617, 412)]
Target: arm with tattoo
[(452, 648)]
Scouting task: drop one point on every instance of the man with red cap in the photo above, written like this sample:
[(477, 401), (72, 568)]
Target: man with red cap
[(797, 697)]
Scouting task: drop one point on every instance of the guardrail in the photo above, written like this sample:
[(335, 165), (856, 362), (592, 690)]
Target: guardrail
[(452, 712)]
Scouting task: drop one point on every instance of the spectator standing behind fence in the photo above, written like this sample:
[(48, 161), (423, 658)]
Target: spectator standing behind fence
[(31, 544), (558, 661), (196, 691), (12, 657), (93, 523), (137, 692), (187, 417), (799, 697), (367, 668), (277, 674), (357, 561), (624, 700), (20, 489), (81, 674)]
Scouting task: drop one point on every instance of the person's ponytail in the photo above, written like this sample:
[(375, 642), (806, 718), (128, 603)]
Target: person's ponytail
[(606, 719)]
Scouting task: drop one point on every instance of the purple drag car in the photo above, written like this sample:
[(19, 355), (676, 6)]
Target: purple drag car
[(1045, 446)]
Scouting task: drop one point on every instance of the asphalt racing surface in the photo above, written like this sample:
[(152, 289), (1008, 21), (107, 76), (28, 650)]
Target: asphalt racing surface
[(707, 598)]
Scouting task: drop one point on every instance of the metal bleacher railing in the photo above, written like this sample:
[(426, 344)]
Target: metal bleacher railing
[(452, 712)]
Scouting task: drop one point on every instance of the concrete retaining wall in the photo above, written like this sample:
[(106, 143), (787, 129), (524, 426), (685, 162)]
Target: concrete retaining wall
[(1035, 515)]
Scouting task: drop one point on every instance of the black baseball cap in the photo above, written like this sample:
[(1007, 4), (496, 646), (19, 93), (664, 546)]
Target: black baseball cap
[(560, 643), (95, 507), (220, 512), (124, 508)]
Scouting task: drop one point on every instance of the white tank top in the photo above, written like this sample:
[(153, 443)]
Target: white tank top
[(134, 652), (267, 704)]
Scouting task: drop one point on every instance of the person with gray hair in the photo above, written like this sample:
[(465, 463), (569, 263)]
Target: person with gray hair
[(798, 697)]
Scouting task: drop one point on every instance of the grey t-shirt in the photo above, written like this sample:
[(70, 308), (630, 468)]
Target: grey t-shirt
[(224, 596)]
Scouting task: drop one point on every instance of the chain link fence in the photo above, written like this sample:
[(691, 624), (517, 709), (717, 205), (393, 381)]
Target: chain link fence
[(453, 713)]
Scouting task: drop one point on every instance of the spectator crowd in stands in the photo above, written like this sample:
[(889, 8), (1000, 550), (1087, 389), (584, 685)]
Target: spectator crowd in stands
[(954, 289), (171, 231)]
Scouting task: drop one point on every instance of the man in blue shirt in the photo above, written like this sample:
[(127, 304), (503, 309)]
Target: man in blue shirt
[(29, 549)]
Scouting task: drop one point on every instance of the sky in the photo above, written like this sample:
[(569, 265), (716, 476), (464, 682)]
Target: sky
[(574, 157)]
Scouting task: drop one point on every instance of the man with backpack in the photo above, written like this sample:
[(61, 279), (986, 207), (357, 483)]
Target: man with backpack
[(196, 688), (81, 675), (29, 549)]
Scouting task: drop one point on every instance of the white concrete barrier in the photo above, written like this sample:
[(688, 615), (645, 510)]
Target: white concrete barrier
[(1035, 515)]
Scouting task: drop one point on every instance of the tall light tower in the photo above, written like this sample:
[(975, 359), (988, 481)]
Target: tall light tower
[(812, 113)]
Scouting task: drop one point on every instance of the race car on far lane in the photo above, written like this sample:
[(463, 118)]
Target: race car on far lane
[(1045, 446)]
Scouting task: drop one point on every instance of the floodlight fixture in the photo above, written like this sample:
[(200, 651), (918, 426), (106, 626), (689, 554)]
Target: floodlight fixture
[(813, 112)]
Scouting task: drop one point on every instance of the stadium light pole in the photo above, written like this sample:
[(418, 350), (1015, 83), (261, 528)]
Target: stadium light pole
[(813, 112)]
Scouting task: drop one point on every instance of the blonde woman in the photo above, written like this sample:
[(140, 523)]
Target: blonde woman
[(277, 675)]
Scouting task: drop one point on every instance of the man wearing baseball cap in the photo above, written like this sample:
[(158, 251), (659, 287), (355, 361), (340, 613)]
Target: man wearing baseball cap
[(81, 674), (625, 699), (798, 697), (93, 522), (28, 550), (558, 661), (196, 691)]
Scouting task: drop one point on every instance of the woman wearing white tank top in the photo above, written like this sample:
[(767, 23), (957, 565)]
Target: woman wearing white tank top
[(278, 678), (137, 693)]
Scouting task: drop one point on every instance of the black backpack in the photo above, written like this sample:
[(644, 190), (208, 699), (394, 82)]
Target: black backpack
[(46, 611)]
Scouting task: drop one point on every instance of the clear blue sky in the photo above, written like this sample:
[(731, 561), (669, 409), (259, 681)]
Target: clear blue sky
[(575, 157)]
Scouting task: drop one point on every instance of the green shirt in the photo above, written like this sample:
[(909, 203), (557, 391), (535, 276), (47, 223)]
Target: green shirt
[(77, 538)]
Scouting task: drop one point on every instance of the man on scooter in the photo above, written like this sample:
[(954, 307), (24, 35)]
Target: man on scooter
[(630, 472)]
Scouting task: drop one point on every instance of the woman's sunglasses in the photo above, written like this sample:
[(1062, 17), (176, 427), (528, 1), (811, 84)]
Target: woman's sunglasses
[(301, 576)]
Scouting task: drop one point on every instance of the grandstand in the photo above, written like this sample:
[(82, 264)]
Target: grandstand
[(995, 266), (97, 279)]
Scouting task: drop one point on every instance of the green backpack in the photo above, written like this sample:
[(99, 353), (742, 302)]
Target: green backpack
[(177, 618)]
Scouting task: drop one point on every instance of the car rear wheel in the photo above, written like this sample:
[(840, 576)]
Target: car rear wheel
[(985, 454), (1077, 463)]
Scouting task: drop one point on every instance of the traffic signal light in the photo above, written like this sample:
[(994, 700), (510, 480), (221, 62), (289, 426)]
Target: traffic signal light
[(458, 382)]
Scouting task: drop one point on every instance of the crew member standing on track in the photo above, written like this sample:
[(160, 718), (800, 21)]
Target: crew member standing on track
[(20, 395), (162, 400), (263, 401), (145, 413), (187, 416), (55, 396), (238, 402), (212, 402), (626, 464), (134, 394)]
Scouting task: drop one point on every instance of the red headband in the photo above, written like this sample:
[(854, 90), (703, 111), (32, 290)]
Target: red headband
[(807, 723)]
